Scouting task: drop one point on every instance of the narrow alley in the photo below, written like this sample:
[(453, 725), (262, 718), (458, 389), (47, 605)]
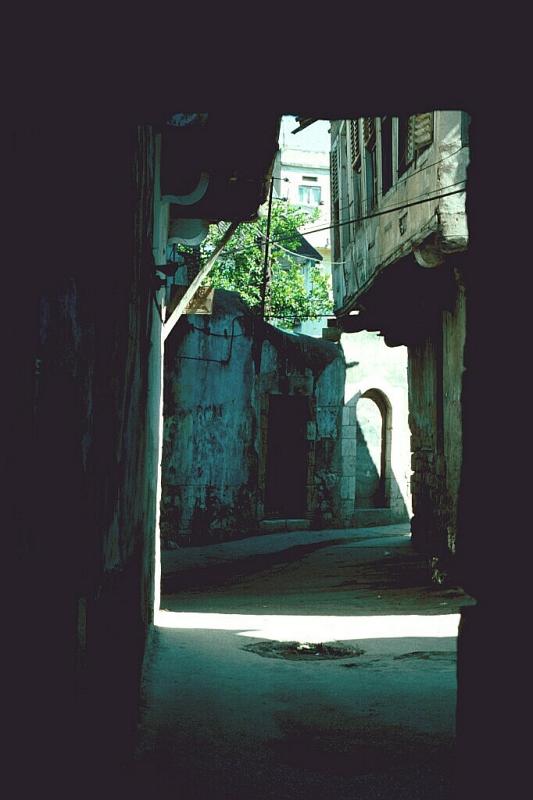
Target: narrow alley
[(263, 474), (306, 664)]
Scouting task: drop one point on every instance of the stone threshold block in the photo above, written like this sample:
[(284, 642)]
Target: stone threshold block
[(275, 525)]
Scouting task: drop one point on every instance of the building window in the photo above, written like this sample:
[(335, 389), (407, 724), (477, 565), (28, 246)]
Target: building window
[(405, 155), (336, 234), (415, 134), (334, 182), (371, 173), (309, 195), (355, 151), (386, 154)]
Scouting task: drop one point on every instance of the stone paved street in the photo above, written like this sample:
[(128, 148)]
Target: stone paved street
[(223, 721)]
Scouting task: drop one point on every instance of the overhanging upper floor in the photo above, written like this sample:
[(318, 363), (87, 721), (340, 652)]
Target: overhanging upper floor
[(398, 187), (403, 303)]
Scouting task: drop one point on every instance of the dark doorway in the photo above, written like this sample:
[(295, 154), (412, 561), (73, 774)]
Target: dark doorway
[(286, 466)]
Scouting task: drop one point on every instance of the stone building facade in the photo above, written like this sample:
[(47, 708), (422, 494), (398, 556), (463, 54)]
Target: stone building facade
[(375, 466), (398, 196), (252, 423)]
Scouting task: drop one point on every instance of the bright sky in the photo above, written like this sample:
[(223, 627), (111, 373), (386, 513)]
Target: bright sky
[(314, 139)]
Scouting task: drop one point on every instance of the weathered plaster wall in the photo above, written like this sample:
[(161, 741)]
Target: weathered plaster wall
[(86, 441), (210, 433), (327, 502), (454, 335), (435, 386), (427, 478), (217, 389), (380, 371)]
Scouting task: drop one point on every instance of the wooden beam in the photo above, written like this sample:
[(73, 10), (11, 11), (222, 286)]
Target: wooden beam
[(197, 280)]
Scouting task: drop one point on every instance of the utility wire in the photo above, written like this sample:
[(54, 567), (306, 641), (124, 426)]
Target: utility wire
[(316, 316), (386, 210), (380, 213), (428, 166), (307, 258), (400, 180), (219, 335)]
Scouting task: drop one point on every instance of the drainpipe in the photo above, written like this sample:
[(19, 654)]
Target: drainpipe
[(169, 324)]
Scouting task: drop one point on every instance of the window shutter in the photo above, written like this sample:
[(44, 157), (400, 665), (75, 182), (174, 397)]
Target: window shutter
[(422, 130), (334, 175), (369, 128), (406, 141), (354, 142), (410, 140), (408, 154)]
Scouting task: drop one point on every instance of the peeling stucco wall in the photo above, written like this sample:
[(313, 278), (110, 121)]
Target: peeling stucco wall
[(219, 373), (208, 471), (435, 386), (454, 336)]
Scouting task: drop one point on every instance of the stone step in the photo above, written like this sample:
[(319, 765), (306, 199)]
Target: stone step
[(274, 525)]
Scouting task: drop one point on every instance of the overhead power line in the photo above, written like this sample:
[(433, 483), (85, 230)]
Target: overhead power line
[(400, 180), (368, 216), (306, 258), (388, 210)]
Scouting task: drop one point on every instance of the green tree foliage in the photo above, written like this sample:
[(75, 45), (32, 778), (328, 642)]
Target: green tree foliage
[(240, 268)]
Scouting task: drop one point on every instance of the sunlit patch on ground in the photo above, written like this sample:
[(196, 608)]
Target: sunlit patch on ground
[(287, 628)]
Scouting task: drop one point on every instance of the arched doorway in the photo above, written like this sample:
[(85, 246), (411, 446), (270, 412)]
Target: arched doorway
[(373, 427)]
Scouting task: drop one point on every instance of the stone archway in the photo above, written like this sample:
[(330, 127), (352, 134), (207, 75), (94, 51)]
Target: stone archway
[(373, 425)]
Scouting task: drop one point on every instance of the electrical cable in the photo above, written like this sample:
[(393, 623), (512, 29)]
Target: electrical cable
[(400, 180), (220, 335), (428, 166), (371, 216), (217, 360), (302, 317), (381, 212), (308, 258), (386, 210)]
